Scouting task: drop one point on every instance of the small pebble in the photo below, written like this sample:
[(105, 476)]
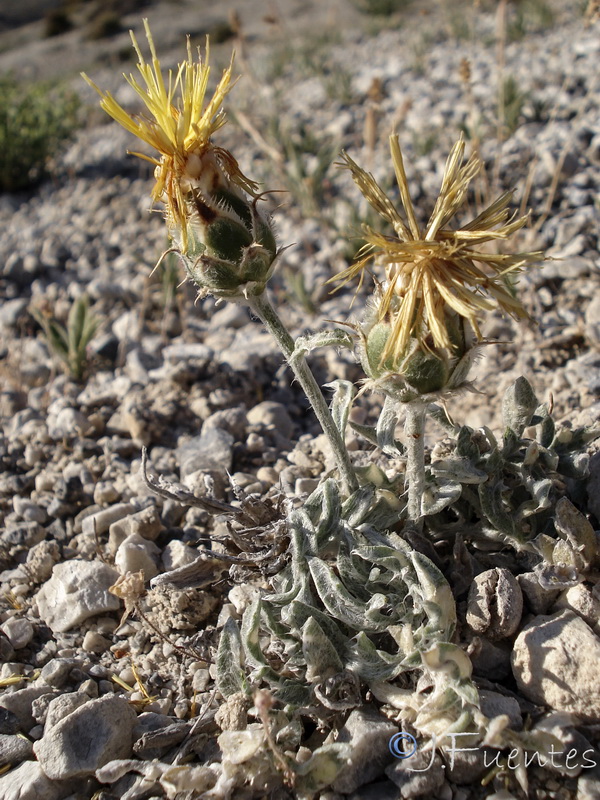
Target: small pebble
[(19, 632), (95, 643)]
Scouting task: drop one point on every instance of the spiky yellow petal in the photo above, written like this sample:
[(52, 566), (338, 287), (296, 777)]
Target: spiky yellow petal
[(428, 274), (178, 124)]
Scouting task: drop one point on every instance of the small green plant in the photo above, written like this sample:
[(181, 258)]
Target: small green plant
[(306, 164), (338, 85), (529, 16), (381, 7), (70, 343), (297, 292), (512, 104), (425, 141), (35, 121), (311, 56)]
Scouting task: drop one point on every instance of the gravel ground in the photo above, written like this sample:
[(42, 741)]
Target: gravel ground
[(203, 388)]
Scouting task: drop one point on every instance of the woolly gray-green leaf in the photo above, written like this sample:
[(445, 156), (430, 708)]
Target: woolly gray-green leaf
[(518, 405), (230, 676), (545, 422), (357, 507), (438, 494), (574, 465), (250, 634), (386, 428), (490, 496), (322, 768), (341, 403), (373, 664), (321, 656), (339, 602), (465, 446), (299, 613), (458, 469), (576, 528), (324, 508), (333, 338), (436, 595)]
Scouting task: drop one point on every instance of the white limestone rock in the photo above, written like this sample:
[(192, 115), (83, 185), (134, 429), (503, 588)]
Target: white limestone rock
[(77, 590), (555, 663)]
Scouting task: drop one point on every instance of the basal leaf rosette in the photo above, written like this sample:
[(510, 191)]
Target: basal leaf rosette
[(354, 609)]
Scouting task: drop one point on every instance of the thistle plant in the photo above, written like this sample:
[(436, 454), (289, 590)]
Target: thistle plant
[(353, 600), (415, 341), (226, 244)]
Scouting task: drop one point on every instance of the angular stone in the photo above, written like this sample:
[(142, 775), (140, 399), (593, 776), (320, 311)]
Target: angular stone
[(22, 534), (19, 632), (232, 420), (537, 598), (582, 601), (14, 749), (382, 790), (555, 663), (89, 737), (272, 415), (146, 523), (69, 423), (63, 705), (20, 702), (101, 521), (136, 553), (77, 590), (417, 776), (493, 704), (56, 671), (369, 734), (28, 782), (9, 722)]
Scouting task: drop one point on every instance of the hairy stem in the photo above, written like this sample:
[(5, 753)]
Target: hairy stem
[(414, 429), (264, 310)]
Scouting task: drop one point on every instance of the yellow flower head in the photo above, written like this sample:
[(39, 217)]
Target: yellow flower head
[(428, 272), (179, 126)]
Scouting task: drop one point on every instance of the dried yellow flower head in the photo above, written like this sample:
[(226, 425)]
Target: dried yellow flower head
[(430, 274), (179, 126)]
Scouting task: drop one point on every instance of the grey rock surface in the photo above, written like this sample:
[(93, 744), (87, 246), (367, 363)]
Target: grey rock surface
[(211, 450), (89, 737), (421, 775), (584, 602), (28, 782), (136, 553), (19, 632), (14, 749), (20, 703), (555, 663), (369, 734)]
